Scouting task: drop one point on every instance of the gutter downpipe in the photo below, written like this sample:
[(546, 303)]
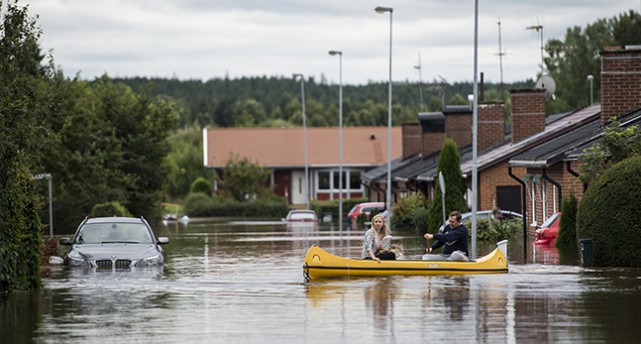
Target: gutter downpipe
[(524, 205), (555, 183), (574, 173)]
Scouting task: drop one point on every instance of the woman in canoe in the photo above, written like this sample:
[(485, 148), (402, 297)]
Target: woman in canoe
[(374, 247)]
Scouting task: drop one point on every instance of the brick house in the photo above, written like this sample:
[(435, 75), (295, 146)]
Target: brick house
[(530, 170), (552, 167)]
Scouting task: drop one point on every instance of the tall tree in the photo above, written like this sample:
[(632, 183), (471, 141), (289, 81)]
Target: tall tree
[(449, 163), (23, 83), (575, 57)]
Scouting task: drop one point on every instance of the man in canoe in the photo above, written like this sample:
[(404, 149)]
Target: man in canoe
[(455, 238)]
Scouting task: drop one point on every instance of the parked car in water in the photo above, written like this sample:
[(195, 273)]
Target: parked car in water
[(484, 215), (365, 209), (108, 243), (548, 231), (298, 215)]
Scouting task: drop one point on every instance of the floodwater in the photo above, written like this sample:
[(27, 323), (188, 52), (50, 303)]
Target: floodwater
[(242, 282)]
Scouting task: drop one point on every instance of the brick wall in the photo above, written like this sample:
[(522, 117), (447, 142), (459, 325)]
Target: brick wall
[(620, 81), (491, 125), (528, 113), (492, 177), (458, 127), (432, 143), (412, 140)]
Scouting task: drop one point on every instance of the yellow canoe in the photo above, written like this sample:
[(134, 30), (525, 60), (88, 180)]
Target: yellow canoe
[(320, 264)]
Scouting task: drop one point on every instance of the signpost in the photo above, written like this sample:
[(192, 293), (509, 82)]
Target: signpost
[(441, 183)]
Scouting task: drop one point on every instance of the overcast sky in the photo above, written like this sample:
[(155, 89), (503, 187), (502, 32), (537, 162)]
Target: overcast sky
[(205, 39)]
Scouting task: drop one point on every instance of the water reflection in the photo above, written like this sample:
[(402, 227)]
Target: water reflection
[(242, 282)]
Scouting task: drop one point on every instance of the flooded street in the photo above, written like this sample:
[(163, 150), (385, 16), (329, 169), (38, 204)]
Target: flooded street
[(242, 282)]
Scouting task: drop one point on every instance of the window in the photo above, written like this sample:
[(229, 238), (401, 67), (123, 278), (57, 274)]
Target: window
[(329, 180), (323, 181)]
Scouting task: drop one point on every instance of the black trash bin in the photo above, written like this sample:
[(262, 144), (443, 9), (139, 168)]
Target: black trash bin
[(587, 252)]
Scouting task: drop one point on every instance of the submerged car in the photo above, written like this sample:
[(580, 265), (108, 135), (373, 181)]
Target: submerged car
[(107, 243), (366, 209), (548, 231), (298, 215)]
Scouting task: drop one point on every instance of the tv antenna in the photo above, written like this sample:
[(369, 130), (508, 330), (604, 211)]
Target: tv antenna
[(501, 53), (420, 79), (539, 29)]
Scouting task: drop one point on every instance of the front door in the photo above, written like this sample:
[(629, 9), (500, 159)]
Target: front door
[(297, 188)]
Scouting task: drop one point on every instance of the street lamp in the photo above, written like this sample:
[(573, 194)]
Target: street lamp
[(389, 119), (340, 137), (590, 79), (302, 96), (48, 177)]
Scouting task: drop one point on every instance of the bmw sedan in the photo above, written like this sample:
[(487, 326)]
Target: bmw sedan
[(112, 243)]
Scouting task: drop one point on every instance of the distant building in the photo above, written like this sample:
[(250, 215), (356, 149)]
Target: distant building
[(282, 151)]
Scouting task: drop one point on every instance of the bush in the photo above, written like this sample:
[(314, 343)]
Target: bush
[(567, 224), (201, 185), (411, 213), (494, 230), (109, 209), (609, 214), (197, 204), (201, 205)]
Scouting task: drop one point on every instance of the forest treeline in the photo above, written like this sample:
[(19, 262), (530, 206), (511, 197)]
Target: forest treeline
[(276, 101)]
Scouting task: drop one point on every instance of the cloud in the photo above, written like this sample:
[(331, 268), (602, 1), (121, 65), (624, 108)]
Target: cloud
[(202, 39)]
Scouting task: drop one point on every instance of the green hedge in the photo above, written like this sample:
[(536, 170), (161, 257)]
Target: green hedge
[(496, 230), (609, 214), (202, 205)]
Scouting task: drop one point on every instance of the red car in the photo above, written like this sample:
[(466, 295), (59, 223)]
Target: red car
[(546, 234), (363, 209)]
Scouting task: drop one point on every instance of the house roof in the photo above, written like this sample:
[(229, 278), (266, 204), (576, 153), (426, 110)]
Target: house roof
[(552, 130), (378, 173), (426, 169), (632, 118), (284, 147)]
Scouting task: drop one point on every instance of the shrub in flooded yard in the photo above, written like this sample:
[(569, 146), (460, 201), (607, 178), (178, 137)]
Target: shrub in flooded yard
[(609, 214)]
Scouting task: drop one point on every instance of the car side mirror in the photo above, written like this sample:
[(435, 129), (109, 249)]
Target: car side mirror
[(163, 240), (64, 241)]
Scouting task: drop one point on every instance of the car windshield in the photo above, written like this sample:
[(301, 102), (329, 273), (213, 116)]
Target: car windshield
[(97, 233), (302, 216), (549, 221)]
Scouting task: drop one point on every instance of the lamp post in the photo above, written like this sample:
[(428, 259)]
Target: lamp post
[(48, 177), (302, 96), (388, 196), (340, 137), (590, 79)]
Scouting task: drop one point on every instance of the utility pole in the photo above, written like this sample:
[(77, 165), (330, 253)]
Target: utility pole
[(420, 80), (501, 54)]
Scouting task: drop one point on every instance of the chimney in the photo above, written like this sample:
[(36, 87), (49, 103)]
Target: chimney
[(458, 124), (620, 81), (528, 113), (432, 132), (491, 125), (412, 140)]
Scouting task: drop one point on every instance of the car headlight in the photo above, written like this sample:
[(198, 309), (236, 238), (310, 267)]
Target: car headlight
[(150, 261), (76, 259)]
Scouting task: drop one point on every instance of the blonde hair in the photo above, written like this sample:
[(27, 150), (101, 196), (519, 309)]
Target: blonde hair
[(385, 228)]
